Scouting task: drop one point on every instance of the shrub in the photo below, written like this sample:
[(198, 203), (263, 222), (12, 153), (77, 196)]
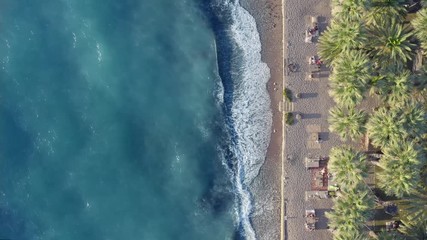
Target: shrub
[(289, 118), (288, 94)]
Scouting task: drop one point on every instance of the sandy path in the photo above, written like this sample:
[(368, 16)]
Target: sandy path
[(313, 105)]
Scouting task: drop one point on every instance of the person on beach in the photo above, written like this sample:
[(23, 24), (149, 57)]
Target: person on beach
[(319, 63)]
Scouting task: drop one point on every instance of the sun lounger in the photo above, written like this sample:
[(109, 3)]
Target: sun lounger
[(311, 162), (316, 195)]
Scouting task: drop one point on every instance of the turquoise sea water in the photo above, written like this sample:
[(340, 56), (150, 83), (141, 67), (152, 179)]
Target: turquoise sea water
[(119, 120)]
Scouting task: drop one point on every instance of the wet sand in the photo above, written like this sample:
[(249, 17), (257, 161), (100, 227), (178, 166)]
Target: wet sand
[(266, 187)]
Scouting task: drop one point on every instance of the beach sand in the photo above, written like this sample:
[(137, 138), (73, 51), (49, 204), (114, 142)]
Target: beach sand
[(266, 187), (313, 106)]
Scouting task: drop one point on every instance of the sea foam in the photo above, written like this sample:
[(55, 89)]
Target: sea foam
[(249, 115)]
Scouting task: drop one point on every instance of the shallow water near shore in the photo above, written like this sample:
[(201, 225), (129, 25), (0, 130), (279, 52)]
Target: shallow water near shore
[(129, 120)]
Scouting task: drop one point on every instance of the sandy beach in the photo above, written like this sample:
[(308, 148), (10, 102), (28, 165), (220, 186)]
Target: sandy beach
[(266, 187), (313, 105)]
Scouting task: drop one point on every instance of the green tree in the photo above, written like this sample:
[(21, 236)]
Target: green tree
[(385, 127), (389, 236), (347, 93), (390, 43), (396, 88), (344, 34), (385, 10), (347, 166), (347, 123), (348, 81), (400, 169), (355, 9), (414, 231), (414, 208), (420, 27), (390, 125), (351, 209)]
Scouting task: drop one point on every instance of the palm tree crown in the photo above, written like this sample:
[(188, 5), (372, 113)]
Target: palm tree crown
[(385, 10), (343, 35), (347, 123), (415, 207), (354, 9), (349, 78), (420, 26), (347, 166), (390, 43), (396, 88), (385, 127), (400, 169), (352, 208), (390, 125)]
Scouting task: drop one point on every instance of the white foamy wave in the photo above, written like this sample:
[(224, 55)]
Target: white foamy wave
[(250, 112), (219, 89), (98, 51)]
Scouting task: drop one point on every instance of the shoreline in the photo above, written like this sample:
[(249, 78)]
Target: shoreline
[(266, 187), (279, 189)]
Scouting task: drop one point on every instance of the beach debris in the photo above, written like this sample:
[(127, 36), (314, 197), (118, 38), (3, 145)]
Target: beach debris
[(292, 67), (310, 219)]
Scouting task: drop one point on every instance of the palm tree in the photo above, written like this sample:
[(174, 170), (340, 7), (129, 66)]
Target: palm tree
[(348, 123), (347, 94), (415, 207), (414, 231), (396, 88), (414, 121), (374, 83), (353, 64), (385, 10), (390, 43), (344, 34), (351, 209), (352, 71), (400, 169), (420, 26), (355, 9), (385, 127), (347, 166), (388, 236)]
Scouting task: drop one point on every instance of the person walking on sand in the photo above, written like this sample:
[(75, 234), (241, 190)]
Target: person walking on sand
[(319, 63)]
